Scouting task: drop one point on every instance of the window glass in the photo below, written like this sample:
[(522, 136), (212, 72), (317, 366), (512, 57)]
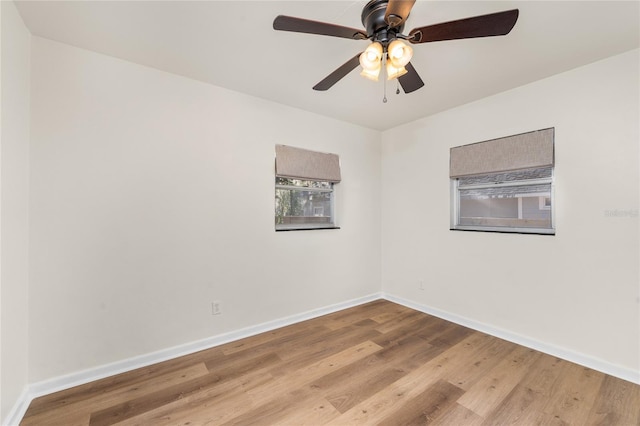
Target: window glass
[(303, 204), (519, 201)]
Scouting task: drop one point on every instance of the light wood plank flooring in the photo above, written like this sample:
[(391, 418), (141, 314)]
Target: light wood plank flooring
[(375, 364)]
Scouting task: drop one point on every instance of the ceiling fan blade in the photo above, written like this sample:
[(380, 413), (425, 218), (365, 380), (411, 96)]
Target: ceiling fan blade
[(398, 11), (338, 74), (411, 81), (493, 24), (299, 25)]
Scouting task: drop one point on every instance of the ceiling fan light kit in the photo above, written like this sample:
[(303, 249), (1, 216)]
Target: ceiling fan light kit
[(384, 22)]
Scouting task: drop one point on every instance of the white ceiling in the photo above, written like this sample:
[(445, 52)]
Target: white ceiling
[(232, 44)]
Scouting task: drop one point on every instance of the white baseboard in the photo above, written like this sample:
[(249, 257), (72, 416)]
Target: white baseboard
[(56, 384), (624, 373), (46, 387), (19, 408)]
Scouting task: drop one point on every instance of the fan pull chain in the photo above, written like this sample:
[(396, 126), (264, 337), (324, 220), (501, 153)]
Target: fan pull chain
[(384, 79), (397, 87)]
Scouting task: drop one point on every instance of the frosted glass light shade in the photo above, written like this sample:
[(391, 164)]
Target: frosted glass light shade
[(371, 57), (371, 74), (399, 53), (393, 72)]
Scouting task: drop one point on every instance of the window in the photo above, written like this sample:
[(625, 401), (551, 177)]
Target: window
[(304, 189), (544, 202), (490, 193), (514, 201), (303, 204)]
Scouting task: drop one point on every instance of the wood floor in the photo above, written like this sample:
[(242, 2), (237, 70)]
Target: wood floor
[(375, 364)]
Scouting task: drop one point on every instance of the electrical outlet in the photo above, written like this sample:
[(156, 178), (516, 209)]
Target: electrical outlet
[(421, 284), (216, 308)]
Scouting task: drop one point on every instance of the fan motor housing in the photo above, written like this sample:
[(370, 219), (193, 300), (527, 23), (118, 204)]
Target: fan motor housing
[(373, 20)]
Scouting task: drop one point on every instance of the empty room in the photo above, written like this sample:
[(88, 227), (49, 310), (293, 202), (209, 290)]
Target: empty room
[(319, 212)]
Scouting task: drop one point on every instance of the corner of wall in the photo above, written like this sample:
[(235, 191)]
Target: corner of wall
[(15, 57)]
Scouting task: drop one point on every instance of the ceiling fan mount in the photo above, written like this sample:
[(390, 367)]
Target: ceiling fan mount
[(373, 19), (384, 22)]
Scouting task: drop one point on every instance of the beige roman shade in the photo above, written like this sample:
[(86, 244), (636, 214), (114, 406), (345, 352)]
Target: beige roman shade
[(297, 163), (523, 151)]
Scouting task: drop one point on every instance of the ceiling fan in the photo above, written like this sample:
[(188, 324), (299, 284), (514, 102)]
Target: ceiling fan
[(384, 21)]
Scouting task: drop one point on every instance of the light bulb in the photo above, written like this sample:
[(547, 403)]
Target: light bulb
[(397, 52)]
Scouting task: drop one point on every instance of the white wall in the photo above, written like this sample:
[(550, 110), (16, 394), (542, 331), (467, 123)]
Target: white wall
[(14, 190), (577, 290), (152, 195)]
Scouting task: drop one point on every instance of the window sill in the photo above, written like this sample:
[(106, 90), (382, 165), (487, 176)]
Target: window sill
[(306, 229), (533, 231)]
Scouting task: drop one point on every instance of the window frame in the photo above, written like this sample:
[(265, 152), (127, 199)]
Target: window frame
[(309, 226), (455, 189)]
